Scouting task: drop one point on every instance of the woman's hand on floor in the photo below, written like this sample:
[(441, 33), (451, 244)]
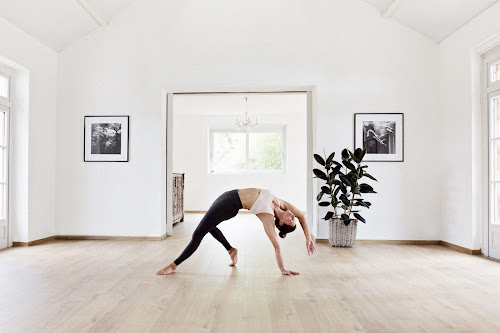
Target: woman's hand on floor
[(287, 272)]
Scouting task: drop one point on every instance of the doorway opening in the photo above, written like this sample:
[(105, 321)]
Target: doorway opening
[(205, 141)]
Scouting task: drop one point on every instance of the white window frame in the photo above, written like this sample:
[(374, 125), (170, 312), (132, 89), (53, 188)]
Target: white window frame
[(256, 129), (491, 90), (491, 157), (6, 73), (6, 105), (490, 73)]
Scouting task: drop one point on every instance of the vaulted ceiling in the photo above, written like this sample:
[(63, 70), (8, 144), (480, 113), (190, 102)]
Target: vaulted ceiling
[(436, 19), (57, 23)]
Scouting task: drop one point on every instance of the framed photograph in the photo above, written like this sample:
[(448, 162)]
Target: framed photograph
[(106, 139), (381, 134)]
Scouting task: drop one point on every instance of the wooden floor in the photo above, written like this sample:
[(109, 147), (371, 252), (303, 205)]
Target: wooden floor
[(112, 286)]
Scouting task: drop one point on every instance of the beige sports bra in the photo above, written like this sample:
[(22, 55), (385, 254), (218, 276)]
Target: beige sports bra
[(264, 203)]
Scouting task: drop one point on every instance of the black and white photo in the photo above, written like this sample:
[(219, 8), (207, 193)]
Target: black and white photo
[(106, 138), (381, 134)]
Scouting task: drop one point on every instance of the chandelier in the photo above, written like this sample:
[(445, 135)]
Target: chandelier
[(245, 123)]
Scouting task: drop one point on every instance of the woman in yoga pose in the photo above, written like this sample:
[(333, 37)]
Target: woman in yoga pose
[(269, 209)]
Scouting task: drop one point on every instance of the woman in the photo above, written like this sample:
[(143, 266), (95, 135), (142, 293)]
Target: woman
[(271, 211)]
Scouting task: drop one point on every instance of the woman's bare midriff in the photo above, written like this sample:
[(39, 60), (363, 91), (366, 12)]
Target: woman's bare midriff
[(248, 196)]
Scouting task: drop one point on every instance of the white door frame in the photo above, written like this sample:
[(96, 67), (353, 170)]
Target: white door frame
[(480, 138), (489, 91), (167, 144)]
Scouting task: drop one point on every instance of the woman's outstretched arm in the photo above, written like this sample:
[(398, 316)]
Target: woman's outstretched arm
[(268, 222), (303, 223)]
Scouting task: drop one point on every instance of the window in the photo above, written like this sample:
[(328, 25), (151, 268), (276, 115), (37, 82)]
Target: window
[(4, 87), (492, 92), (3, 162), (5, 105), (257, 150), (495, 157), (495, 72)]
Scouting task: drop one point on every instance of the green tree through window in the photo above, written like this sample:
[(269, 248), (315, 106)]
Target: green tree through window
[(231, 153), (265, 151)]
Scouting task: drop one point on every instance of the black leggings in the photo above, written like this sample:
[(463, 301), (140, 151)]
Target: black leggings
[(225, 207)]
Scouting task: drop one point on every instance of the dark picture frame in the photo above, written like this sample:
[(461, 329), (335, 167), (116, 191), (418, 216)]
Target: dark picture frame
[(382, 134), (106, 138)]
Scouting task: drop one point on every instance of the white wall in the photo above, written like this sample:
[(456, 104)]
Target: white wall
[(193, 117), (358, 61), (33, 133), (461, 136)]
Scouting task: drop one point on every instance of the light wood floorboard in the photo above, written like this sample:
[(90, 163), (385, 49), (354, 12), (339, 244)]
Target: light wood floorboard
[(112, 286)]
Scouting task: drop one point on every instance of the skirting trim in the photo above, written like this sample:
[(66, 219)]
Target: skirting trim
[(80, 237), (411, 242), (460, 248), (35, 242), (317, 240)]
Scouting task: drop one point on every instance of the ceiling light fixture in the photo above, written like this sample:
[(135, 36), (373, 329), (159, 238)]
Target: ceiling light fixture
[(245, 123)]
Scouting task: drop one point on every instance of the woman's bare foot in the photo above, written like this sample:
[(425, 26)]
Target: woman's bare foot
[(168, 270), (233, 253)]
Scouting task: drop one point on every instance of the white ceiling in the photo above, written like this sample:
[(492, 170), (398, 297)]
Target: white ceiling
[(57, 23), (436, 19)]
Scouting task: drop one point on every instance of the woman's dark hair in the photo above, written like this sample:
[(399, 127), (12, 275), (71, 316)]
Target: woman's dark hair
[(284, 229)]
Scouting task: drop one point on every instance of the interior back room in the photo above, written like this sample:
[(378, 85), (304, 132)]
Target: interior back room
[(206, 136)]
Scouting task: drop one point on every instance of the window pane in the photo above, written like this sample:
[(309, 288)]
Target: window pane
[(3, 202), (2, 128), (495, 158), (495, 105), (495, 72), (3, 173), (495, 206), (4, 86), (265, 151), (229, 151)]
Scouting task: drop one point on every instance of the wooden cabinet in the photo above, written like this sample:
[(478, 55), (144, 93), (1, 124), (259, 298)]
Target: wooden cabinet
[(178, 198)]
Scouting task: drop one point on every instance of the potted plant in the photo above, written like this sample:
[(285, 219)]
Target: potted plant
[(343, 191)]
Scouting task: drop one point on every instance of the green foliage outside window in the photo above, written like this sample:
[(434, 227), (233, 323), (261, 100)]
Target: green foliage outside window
[(265, 151), (229, 151)]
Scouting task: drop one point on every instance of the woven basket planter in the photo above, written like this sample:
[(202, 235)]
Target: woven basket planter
[(342, 235)]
